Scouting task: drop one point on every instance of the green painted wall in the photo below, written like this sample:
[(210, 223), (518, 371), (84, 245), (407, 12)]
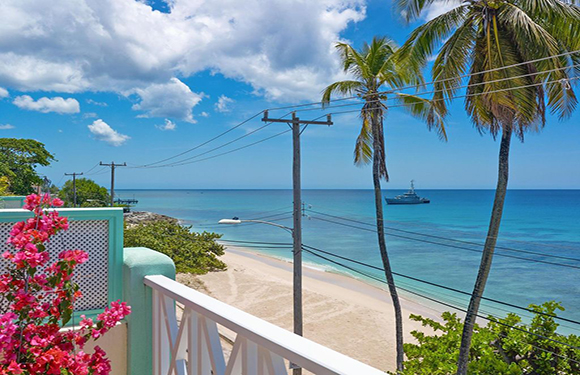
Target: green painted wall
[(139, 262)]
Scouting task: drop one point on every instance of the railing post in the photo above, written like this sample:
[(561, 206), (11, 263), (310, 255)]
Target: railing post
[(144, 326)]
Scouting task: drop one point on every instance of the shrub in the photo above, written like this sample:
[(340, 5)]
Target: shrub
[(496, 349), (192, 252)]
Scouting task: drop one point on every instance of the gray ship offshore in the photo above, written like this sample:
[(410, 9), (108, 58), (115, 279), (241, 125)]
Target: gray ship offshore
[(409, 197)]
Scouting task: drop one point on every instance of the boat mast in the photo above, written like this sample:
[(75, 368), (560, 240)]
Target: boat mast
[(412, 186)]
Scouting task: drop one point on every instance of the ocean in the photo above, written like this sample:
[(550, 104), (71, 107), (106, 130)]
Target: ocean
[(537, 259)]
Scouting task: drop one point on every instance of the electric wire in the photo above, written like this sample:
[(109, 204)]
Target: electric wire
[(455, 290), (435, 81), (449, 245), (206, 142), (423, 225), (443, 303), (447, 238)]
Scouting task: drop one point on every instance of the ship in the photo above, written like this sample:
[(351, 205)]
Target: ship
[(409, 197)]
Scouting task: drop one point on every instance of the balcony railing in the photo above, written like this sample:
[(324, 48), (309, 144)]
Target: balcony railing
[(192, 344)]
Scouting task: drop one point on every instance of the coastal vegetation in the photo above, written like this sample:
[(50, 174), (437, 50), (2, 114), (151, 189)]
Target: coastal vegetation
[(195, 253), (496, 348), (517, 55), (18, 161), (376, 70), (89, 193)]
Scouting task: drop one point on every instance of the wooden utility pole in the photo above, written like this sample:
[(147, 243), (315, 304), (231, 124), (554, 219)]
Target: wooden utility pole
[(74, 174), (295, 124), (113, 166)]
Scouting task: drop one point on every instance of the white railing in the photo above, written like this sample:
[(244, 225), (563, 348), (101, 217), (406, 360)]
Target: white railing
[(192, 345)]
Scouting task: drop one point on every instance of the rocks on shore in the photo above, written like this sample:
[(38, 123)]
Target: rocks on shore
[(142, 217)]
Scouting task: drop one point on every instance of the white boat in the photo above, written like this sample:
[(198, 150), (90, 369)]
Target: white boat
[(409, 197)]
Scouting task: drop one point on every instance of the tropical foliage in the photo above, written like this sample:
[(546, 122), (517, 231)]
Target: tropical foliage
[(516, 58), (18, 160), (191, 252), (40, 297), (497, 349), (375, 71), (89, 193)]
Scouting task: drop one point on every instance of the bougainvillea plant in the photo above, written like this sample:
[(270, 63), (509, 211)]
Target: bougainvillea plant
[(38, 298)]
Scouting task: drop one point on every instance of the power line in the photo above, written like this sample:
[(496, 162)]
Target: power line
[(206, 142), (423, 225), (311, 248), (449, 245), (436, 81), (455, 97), (225, 153), (444, 303), (447, 238)]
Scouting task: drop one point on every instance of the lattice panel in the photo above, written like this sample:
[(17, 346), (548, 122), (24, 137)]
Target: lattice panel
[(91, 236)]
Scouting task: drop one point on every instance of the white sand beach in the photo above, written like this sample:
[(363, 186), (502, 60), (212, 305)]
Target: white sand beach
[(345, 314)]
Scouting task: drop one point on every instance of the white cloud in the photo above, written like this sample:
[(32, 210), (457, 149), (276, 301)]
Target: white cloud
[(45, 105), (6, 126), (3, 93), (90, 115), (103, 132), (168, 125), (440, 7), (223, 103), (173, 99), (204, 114), (94, 102), (123, 45)]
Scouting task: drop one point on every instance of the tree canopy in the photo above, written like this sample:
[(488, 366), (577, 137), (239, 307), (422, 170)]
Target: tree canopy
[(18, 161), (89, 193)]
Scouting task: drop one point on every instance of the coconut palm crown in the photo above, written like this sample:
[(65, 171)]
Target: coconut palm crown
[(377, 75), (520, 60)]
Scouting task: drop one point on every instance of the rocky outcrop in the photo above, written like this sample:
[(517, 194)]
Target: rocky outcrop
[(143, 217)]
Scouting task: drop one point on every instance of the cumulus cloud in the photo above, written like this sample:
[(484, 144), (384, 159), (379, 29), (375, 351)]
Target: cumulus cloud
[(204, 114), (173, 99), (168, 125), (45, 105), (6, 126), (103, 132), (3, 93), (223, 103), (122, 45)]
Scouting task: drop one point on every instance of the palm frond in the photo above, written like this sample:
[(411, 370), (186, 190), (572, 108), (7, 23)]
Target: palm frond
[(426, 110)]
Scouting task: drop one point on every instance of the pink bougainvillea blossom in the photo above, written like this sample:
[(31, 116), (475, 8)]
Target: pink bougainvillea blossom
[(41, 298)]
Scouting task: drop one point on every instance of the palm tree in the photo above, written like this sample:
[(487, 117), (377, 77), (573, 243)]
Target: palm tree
[(375, 71), (519, 58)]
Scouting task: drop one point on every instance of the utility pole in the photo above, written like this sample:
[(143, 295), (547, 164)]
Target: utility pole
[(113, 166), (74, 174), (295, 124)]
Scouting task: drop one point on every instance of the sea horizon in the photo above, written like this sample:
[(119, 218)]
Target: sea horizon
[(439, 242)]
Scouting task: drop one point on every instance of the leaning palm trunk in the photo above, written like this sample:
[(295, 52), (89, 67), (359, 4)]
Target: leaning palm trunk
[(489, 247), (381, 237)]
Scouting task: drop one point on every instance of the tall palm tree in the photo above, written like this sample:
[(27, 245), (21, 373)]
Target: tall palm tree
[(517, 57), (375, 71)]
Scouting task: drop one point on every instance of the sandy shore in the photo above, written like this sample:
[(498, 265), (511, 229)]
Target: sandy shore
[(340, 312)]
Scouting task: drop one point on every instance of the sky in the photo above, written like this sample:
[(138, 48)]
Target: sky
[(141, 81)]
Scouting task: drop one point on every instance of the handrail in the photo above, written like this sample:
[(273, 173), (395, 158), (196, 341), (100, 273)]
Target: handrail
[(298, 350)]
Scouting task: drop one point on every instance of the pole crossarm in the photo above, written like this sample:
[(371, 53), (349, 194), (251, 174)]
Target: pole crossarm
[(113, 166), (328, 121)]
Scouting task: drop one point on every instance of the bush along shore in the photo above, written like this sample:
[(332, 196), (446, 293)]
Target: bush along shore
[(195, 253)]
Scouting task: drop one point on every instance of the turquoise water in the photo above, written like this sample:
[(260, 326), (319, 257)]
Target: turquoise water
[(539, 221)]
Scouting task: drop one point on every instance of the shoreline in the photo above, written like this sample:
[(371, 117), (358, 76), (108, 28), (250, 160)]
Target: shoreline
[(331, 273), (346, 314)]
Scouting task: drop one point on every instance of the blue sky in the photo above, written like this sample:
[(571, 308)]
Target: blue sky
[(137, 82)]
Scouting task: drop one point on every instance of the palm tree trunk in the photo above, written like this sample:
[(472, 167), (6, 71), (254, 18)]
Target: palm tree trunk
[(488, 250), (383, 245)]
